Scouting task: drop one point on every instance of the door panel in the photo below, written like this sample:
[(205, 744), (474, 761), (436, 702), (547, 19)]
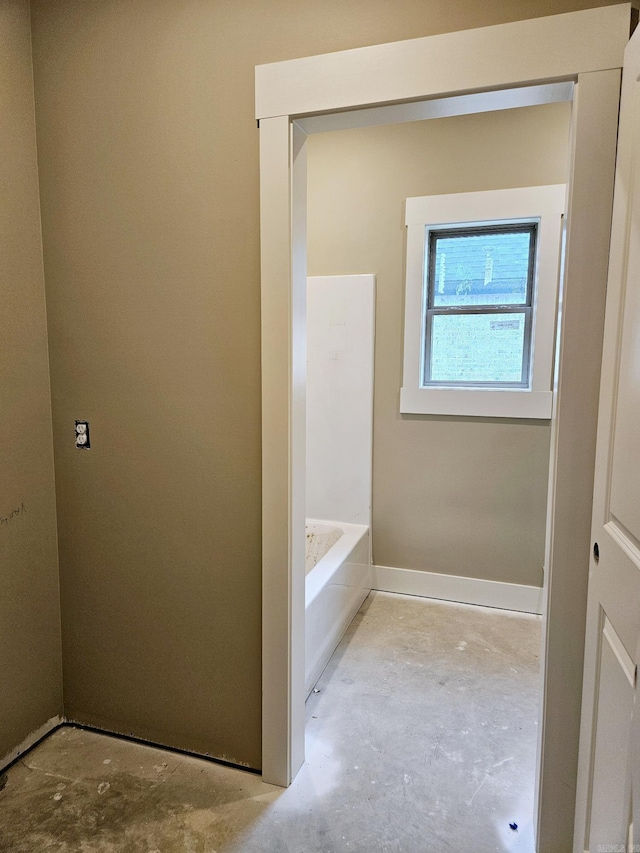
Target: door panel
[(625, 488), (608, 731), (618, 582), (610, 800)]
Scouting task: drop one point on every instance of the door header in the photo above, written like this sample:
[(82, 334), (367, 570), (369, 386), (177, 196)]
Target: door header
[(521, 53)]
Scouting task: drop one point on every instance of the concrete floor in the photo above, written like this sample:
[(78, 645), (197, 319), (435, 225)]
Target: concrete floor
[(422, 739)]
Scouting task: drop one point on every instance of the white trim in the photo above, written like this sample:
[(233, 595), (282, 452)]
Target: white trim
[(283, 202), (624, 214), (573, 434), (548, 49), (460, 105), (488, 593), (542, 204), (478, 402), (31, 740)]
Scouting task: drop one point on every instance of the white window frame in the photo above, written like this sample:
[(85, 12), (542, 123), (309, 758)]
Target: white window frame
[(544, 205)]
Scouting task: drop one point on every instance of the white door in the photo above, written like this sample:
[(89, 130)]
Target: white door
[(608, 730)]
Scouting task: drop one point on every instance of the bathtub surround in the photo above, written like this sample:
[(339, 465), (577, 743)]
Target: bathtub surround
[(339, 440), (340, 350)]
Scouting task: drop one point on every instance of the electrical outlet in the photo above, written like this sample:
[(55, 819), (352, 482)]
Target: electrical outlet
[(82, 435)]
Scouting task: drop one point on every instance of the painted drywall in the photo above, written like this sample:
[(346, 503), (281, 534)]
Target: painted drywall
[(148, 155), (30, 665), (460, 496)]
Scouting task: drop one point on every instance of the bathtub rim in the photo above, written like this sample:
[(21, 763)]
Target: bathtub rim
[(320, 575)]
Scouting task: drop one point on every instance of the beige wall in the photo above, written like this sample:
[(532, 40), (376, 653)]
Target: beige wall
[(462, 496), (30, 670), (149, 180)]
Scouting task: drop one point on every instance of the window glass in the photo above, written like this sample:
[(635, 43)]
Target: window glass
[(477, 277), (480, 266), (477, 347)]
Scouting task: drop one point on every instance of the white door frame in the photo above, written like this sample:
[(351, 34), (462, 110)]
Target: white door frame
[(612, 604), (583, 47)]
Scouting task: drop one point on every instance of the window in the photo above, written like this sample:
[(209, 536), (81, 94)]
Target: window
[(481, 289)]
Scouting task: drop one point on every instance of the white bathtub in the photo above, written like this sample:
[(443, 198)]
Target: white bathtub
[(337, 583)]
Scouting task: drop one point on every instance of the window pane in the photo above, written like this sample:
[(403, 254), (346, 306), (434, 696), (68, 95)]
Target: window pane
[(481, 268), (477, 347)]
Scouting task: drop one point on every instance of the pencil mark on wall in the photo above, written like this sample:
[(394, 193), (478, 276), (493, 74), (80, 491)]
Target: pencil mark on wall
[(5, 520)]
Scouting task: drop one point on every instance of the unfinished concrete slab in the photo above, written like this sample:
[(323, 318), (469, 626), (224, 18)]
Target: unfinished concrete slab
[(421, 738)]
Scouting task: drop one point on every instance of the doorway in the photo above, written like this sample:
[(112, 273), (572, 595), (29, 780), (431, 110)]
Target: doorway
[(572, 47), (432, 469)]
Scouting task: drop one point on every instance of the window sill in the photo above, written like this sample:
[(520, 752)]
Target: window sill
[(477, 402)]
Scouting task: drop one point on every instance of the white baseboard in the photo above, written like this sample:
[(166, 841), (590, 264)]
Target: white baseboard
[(30, 741), (506, 596)]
